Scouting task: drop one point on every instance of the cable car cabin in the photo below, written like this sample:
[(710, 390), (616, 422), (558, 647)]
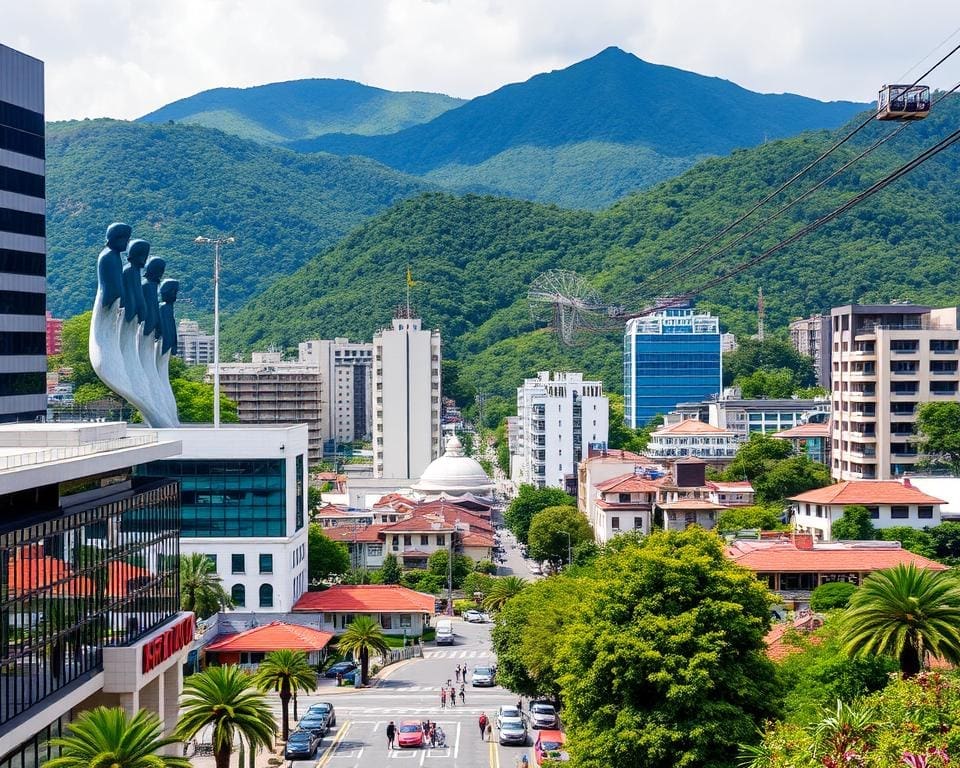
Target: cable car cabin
[(903, 102)]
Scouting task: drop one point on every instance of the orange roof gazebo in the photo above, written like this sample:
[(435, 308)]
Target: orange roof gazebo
[(272, 637)]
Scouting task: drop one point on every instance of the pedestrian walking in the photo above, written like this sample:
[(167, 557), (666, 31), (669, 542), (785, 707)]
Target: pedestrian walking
[(391, 734), (433, 734), (443, 698), (483, 724), (463, 696), (453, 696), (457, 673)]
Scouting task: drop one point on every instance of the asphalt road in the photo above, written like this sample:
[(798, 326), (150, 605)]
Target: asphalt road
[(410, 690)]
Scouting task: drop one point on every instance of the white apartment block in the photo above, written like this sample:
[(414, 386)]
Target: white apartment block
[(406, 399), (559, 418), (812, 337), (346, 368), (887, 360), (195, 346)]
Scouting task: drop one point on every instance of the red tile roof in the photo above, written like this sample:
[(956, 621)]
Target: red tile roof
[(347, 533), (625, 506), (475, 539), (742, 486), (778, 649), (783, 557), (419, 524), (620, 455), (272, 637), (414, 554), (29, 570), (628, 483), (690, 504), (366, 598), (689, 427), (867, 492), (805, 430)]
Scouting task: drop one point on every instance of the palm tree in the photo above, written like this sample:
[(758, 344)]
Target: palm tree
[(225, 698), (907, 612), (105, 738), (200, 587), (287, 672), (502, 590), (361, 637)]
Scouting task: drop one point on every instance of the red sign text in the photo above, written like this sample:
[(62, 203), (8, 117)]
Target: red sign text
[(164, 645)]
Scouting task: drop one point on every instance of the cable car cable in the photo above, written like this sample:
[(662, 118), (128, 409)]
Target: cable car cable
[(783, 209), (904, 169), (933, 50), (699, 249)]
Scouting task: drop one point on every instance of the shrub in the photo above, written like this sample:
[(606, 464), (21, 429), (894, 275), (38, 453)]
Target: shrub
[(834, 594), (459, 606)]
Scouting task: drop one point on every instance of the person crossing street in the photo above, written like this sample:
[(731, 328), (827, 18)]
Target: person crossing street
[(483, 722), (391, 734), (443, 698)]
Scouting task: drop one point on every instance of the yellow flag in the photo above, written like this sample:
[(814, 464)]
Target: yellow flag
[(410, 280)]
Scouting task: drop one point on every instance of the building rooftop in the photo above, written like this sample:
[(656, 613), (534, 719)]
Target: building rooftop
[(272, 637), (691, 427), (629, 483), (783, 556), (367, 598), (867, 492), (741, 486), (805, 430)]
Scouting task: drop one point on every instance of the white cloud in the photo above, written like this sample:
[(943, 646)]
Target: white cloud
[(123, 58)]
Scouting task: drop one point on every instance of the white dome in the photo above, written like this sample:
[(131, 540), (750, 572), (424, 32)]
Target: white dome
[(454, 474)]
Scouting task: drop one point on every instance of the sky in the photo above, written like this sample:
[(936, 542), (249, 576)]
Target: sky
[(124, 58)]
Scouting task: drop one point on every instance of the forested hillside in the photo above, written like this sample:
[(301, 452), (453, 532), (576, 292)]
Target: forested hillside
[(554, 138), (174, 182), (304, 109), (473, 257)]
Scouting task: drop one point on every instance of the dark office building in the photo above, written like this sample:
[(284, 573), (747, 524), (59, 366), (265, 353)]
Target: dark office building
[(23, 261)]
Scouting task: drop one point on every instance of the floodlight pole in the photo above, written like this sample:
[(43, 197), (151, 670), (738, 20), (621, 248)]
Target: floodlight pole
[(217, 243)]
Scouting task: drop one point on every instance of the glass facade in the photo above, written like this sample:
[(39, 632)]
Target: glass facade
[(228, 497), (669, 358), (91, 576), (299, 482)]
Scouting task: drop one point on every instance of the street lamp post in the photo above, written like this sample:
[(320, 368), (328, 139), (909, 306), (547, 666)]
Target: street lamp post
[(569, 548), (217, 243)]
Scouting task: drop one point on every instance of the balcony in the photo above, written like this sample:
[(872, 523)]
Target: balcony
[(863, 396), (868, 452)]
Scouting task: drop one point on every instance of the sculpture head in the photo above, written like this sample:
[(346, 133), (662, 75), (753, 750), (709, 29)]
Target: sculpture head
[(168, 290), (137, 252), (118, 235), (153, 271)]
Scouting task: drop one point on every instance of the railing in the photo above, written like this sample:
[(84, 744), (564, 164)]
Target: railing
[(393, 655), (34, 456)]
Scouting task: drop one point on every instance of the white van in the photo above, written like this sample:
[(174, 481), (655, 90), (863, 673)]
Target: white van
[(444, 632)]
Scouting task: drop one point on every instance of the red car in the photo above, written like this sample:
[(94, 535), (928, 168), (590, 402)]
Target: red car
[(549, 746), (410, 734)]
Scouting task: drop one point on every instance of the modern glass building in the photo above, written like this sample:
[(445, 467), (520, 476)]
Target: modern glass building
[(669, 357), (23, 260)]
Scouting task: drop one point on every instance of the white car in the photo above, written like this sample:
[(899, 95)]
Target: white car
[(474, 617), (508, 712), (535, 569)]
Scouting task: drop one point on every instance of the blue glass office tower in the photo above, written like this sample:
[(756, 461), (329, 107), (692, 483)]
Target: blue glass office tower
[(669, 357)]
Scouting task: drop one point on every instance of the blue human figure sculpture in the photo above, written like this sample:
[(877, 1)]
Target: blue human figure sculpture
[(168, 344), (150, 288), (134, 308), (106, 356)]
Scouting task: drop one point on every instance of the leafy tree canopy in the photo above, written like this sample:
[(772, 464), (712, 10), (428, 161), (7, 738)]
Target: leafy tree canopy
[(439, 566), (833, 594), (939, 428), (555, 532), (390, 571), (765, 517), (528, 501), (854, 525), (325, 557), (772, 356)]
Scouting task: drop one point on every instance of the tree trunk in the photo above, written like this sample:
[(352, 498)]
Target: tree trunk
[(364, 664), (285, 708), (910, 660), (222, 756)]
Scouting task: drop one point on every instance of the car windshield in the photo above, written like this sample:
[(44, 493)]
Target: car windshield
[(321, 708), (509, 712), (512, 725), (482, 671), (312, 720), (543, 709), (547, 746), (409, 728), (299, 736)]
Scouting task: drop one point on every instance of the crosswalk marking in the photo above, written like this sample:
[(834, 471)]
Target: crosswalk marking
[(457, 654)]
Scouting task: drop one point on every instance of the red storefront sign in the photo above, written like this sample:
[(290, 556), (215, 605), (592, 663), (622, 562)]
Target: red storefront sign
[(164, 645)]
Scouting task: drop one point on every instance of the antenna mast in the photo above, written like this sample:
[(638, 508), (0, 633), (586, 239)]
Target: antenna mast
[(760, 312)]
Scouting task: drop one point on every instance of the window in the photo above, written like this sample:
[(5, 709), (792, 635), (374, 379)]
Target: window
[(623, 498), (615, 523), (345, 620), (266, 563), (424, 540), (441, 540), (925, 513), (386, 620), (213, 560), (899, 512), (405, 621), (874, 513), (407, 540), (375, 550), (266, 596), (237, 564), (238, 594)]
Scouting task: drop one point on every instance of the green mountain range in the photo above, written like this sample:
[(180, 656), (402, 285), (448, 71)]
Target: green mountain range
[(174, 182), (304, 109), (587, 135), (474, 257)]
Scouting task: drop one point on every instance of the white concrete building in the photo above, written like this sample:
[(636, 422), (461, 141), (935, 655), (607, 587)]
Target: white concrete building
[(406, 399), (346, 368), (195, 346), (891, 503), (692, 438), (244, 506), (559, 418)]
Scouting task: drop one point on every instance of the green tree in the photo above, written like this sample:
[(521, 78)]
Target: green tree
[(777, 383), (105, 738), (854, 525), (765, 517), (665, 664), (227, 699), (771, 354), (390, 571), (477, 582), (438, 564), (555, 532), (455, 386), (201, 590), (325, 557), (919, 542), (832, 595), (314, 498), (362, 637), (791, 477), (939, 427), (528, 502), (485, 566), (757, 456), (286, 672), (905, 612), (502, 590), (195, 403), (946, 542)]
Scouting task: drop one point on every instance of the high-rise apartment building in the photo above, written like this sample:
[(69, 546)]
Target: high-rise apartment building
[(54, 330), (559, 418), (23, 249), (195, 346), (811, 337), (406, 399), (670, 356), (887, 360), (269, 390), (346, 368)]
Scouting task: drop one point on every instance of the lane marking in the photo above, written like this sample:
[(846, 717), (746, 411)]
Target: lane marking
[(322, 762), (456, 744)]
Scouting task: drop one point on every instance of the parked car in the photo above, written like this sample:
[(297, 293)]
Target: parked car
[(341, 667), (483, 677), (508, 712), (474, 617), (543, 715), (301, 744), (550, 746), (314, 722), (410, 734), (444, 634), (536, 569), (324, 708), (513, 730)]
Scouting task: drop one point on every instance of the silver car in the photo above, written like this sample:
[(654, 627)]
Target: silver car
[(513, 730), (483, 676), (543, 715)]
